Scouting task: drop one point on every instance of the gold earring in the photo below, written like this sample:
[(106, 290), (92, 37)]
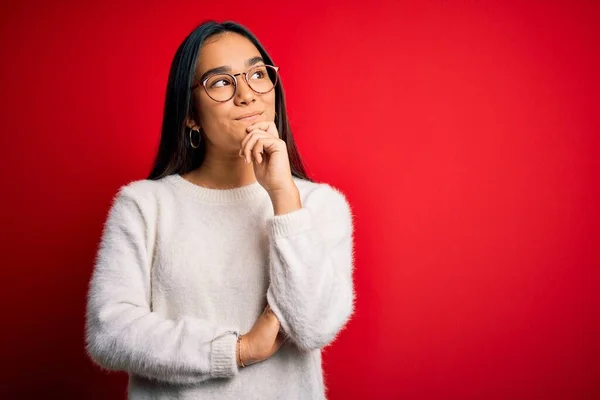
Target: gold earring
[(199, 138)]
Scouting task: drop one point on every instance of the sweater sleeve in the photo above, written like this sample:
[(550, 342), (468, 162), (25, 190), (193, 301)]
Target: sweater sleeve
[(122, 331), (311, 265)]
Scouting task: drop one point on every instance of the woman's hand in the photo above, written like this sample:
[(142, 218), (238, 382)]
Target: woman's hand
[(268, 153), (263, 340)]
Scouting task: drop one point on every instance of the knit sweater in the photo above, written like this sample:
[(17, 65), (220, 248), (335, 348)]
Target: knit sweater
[(182, 270)]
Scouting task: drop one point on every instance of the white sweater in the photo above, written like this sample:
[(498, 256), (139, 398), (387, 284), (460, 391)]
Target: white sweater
[(182, 270)]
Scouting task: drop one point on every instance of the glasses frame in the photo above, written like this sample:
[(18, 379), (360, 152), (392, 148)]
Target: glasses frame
[(235, 81)]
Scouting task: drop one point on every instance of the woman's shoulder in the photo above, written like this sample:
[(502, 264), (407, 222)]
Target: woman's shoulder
[(145, 187), (145, 193), (160, 190)]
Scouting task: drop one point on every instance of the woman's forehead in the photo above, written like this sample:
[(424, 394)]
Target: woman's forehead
[(226, 50)]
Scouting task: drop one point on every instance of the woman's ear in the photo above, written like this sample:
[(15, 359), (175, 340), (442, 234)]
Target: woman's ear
[(190, 120), (190, 123)]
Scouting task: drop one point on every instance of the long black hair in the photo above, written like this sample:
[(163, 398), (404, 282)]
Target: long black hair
[(175, 155)]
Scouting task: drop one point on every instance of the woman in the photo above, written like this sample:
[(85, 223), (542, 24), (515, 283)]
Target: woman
[(224, 274)]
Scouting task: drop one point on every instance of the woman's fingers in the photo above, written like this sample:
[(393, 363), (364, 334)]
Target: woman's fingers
[(267, 309), (245, 149), (278, 343), (269, 312), (255, 144), (248, 137), (266, 126), (257, 151), (281, 337)]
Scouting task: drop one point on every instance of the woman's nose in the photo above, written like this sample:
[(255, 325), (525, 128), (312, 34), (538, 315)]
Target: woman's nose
[(244, 94)]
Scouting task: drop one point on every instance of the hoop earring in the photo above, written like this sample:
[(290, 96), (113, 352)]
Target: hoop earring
[(199, 138)]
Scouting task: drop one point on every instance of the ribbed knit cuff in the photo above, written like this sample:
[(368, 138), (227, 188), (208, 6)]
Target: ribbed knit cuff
[(291, 223), (223, 363)]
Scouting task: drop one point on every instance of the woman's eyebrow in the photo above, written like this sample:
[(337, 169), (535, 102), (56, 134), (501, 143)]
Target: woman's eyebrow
[(224, 68)]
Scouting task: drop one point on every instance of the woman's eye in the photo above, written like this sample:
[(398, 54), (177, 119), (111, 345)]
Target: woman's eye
[(258, 75), (220, 83)]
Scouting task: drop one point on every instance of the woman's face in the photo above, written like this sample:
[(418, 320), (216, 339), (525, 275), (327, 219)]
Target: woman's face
[(220, 121)]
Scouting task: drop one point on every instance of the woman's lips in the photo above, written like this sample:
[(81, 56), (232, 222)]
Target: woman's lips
[(250, 118)]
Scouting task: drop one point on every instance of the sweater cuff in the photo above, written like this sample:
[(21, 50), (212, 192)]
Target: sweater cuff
[(223, 363), (291, 223)]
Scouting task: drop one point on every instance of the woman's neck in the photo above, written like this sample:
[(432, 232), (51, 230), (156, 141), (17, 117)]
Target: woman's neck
[(222, 171)]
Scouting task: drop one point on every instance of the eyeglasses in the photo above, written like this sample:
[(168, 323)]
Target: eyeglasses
[(222, 87)]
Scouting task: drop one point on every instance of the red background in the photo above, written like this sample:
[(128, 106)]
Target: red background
[(465, 135)]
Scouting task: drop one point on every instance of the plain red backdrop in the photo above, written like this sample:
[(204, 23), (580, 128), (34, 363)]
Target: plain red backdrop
[(463, 133)]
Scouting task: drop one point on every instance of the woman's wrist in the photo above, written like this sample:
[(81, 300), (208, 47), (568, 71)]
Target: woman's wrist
[(239, 352)]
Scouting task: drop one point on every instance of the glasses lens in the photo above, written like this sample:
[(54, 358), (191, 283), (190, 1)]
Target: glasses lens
[(262, 78), (220, 87)]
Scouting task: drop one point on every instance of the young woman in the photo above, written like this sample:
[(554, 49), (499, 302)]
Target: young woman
[(224, 274)]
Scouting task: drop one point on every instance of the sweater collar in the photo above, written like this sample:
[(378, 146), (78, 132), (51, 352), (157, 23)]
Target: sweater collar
[(233, 195)]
